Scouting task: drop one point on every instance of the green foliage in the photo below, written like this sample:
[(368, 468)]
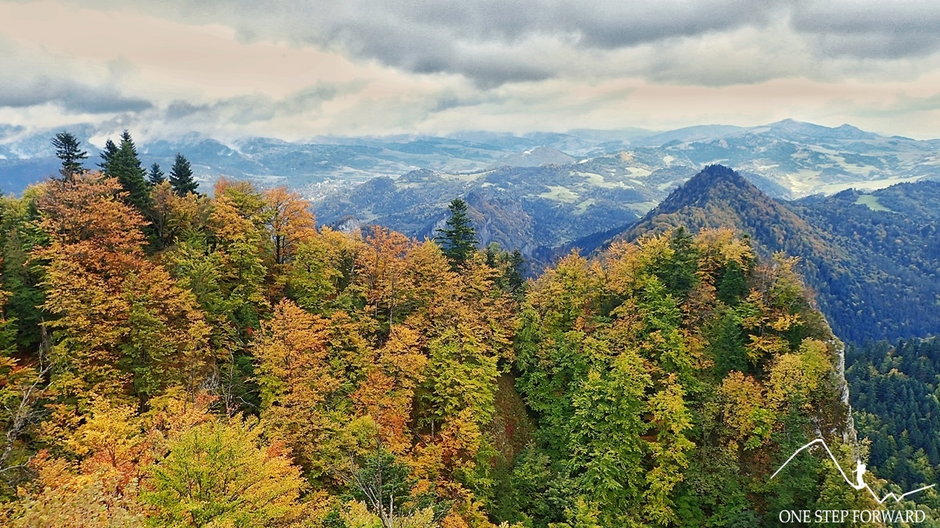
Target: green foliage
[(460, 376), (219, 474), (20, 274), (386, 486), (677, 268), (319, 277), (660, 378), (21, 387), (123, 163), (391, 382), (894, 395), (871, 270), (156, 175), (733, 284), (511, 266)]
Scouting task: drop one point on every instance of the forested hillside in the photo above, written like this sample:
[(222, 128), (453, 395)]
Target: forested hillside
[(668, 379), (872, 258), (894, 395), (886, 286), (171, 359)]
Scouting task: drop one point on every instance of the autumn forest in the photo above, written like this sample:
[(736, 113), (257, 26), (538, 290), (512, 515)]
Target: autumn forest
[(174, 358)]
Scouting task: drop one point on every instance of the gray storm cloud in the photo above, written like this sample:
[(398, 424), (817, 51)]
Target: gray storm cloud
[(445, 37), (378, 65), (893, 29), (68, 95)]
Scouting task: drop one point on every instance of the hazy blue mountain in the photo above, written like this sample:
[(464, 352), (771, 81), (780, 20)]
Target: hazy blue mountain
[(687, 135), (17, 174)]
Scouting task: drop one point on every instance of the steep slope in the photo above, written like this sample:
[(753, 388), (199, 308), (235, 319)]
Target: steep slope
[(668, 380), (893, 396), (720, 197), (873, 267), (890, 240)]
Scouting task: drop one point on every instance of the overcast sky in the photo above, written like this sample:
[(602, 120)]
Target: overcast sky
[(295, 69)]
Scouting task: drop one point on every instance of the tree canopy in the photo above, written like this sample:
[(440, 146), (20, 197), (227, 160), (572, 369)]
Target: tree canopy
[(181, 176), (222, 361)]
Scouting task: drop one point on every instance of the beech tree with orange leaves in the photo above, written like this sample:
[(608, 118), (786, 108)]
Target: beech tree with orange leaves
[(121, 326)]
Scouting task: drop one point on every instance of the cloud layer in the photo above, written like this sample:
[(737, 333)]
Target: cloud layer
[(300, 68)]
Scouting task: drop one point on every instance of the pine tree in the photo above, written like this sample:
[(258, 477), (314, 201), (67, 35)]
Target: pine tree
[(181, 176), (458, 239), (68, 149), (156, 175)]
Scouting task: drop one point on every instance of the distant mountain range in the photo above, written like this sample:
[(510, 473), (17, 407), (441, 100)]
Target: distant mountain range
[(788, 158), (872, 257)]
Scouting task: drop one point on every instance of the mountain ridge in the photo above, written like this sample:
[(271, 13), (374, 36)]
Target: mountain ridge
[(803, 158), (871, 257)]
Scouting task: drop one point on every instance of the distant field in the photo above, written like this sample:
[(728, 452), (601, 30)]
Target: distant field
[(872, 203)]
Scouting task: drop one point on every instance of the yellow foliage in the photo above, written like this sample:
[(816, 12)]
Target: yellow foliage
[(66, 498), (295, 378), (722, 246), (761, 346), (290, 222), (794, 376), (745, 409)]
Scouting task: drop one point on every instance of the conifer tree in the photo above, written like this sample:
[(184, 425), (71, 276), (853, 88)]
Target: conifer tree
[(514, 273), (181, 176), (458, 239), (108, 156), (68, 149), (123, 163), (156, 175)]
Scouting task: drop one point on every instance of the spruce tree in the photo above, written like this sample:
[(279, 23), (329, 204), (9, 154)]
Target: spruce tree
[(69, 150), (122, 162), (458, 239), (156, 175), (181, 176), (108, 157)]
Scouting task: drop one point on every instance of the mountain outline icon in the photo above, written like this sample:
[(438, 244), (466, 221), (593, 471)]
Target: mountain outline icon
[(860, 471)]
